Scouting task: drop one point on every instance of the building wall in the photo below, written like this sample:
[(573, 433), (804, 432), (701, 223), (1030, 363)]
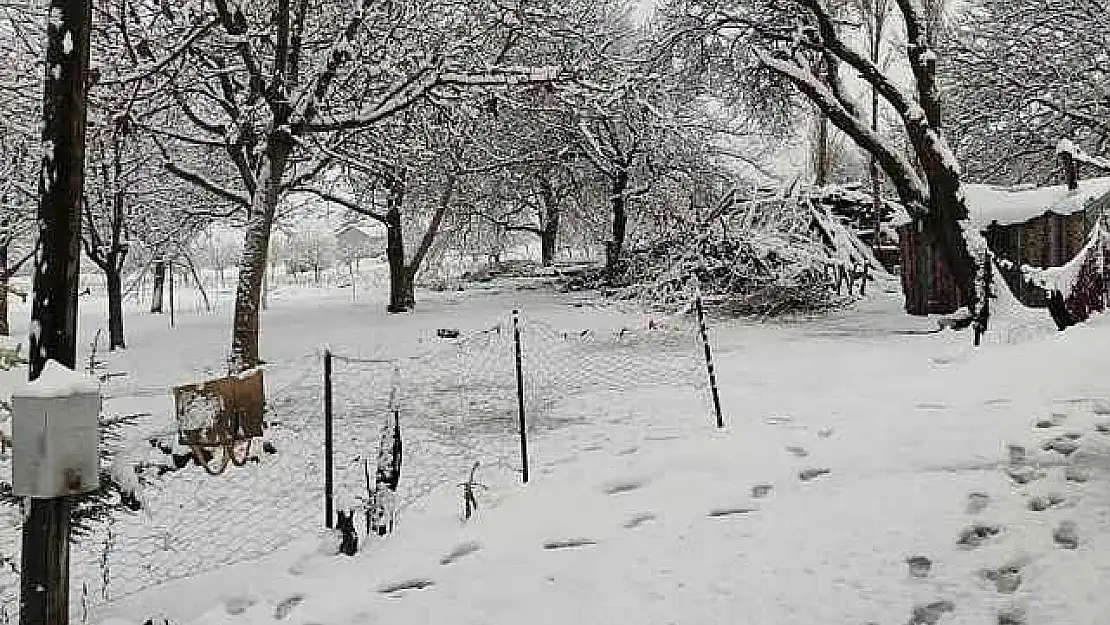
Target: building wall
[(1048, 240)]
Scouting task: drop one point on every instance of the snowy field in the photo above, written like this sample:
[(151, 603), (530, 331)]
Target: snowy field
[(853, 443)]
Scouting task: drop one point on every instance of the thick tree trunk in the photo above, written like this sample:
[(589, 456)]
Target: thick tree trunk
[(256, 245), (157, 303), (548, 240), (115, 307), (549, 228), (947, 211), (402, 292), (619, 201)]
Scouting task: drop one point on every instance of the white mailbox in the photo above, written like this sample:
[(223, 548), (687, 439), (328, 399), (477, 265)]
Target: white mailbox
[(55, 423)]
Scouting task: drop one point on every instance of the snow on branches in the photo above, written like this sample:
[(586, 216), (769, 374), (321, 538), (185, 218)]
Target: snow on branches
[(773, 256)]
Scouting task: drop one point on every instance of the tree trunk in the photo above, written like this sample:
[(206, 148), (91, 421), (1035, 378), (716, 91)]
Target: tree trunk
[(548, 240), (549, 228), (256, 245), (948, 209), (115, 306), (402, 291), (5, 329), (620, 222), (821, 151), (157, 303)]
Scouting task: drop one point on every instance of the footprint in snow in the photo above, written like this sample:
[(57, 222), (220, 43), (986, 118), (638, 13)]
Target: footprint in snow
[(638, 520), (570, 543), (1006, 578), (812, 474), (977, 502), (977, 534), (617, 488), (287, 605), (726, 512), (459, 552), (1040, 503), (1054, 420), (798, 451), (919, 566), (761, 490), (1065, 445), (930, 614), (1011, 615), (1024, 474), (238, 605), (1077, 474), (408, 584)]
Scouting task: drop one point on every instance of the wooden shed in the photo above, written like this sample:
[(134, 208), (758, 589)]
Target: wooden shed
[(1024, 226)]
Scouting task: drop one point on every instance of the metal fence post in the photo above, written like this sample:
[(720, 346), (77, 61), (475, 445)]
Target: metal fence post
[(709, 360), (329, 502), (520, 396)]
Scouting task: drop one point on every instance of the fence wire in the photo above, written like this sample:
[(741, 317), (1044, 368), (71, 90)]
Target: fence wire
[(457, 401)]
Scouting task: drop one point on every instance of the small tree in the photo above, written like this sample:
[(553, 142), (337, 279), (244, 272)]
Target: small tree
[(105, 231)]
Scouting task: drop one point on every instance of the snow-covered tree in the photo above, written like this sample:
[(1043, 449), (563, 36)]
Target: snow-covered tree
[(771, 40), (17, 212), (259, 82), (1026, 74)]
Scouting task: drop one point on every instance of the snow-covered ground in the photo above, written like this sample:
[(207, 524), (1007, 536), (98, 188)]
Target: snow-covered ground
[(853, 442)]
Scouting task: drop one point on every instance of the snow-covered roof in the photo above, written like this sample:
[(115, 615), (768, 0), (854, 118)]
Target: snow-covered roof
[(1010, 205), (988, 203)]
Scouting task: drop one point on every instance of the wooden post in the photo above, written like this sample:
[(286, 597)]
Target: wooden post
[(169, 269), (709, 360), (520, 396), (1071, 170), (44, 582), (329, 499)]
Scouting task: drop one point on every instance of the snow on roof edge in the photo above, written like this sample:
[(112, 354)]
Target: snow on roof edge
[(988, 204)]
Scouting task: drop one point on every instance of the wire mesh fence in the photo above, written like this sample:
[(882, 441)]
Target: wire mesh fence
[(457, 400)]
